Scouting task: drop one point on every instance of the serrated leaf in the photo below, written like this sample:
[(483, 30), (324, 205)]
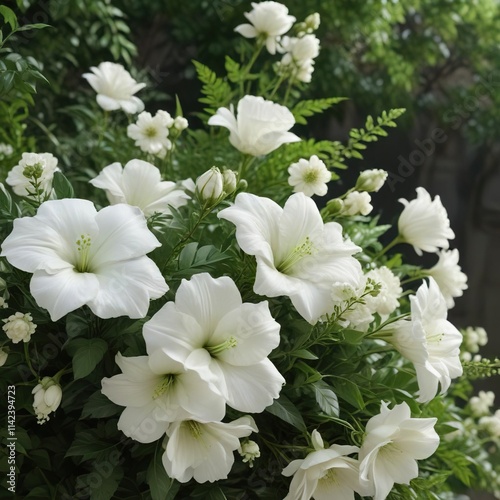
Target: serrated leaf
[(284, 409), (326, 398), (307, 108), (86, 356)]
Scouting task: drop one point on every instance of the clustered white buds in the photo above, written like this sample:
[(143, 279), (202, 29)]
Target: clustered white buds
[(19, 327), (371, 180), (47, 398), (480, 404)]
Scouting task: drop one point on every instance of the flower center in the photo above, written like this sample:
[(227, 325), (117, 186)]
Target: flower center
[(215, 350), (34, 171), (310, 176), (330, 477), (434, 338), (164, 385), (194, 428), (83, 245), (298, 253), (150, 132)]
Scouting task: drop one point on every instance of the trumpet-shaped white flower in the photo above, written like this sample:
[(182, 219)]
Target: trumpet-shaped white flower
[(156, 397), (261, 126), (19, 327), (80, 256), (424, 223), (297, 254), (150, 133), (429, 341), (309, 176), (325, 473), (208, 326), (115, 88), (393, 443), (47, 398), (139, 184), (449, 276), (269, 20), (204, 451), (39, 166), (390, 290)]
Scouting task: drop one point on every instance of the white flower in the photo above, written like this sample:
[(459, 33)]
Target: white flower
[(429, 341), (6, 149), (180, 123), (80, 256), (424, 223), (31, 167), (356, 203), (312, 21), (158, 392), (151, 133), (19, 327), (371, 180), (390, 290), (208, 326), (297, 254), (324, 473), (393, 443), (230, 181), (269, 20), (298, 60), (115, 88), (480, 404), (491, 424), (4, 354), (261, 126), (210, 186), (449, 276), (47, 398), (204, 451), (309, 176), (474, 338), (139, 184), (249, 450)]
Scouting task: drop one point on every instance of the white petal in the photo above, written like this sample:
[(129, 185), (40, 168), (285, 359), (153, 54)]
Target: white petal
[(110, 179), (312, 301), (126, 287), (246, 30), (140, 424), (255, 331), (63, 292), (107, 103), (252, 388), (207, 299)]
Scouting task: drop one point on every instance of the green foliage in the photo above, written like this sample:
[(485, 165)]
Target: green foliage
[(304, 109), (216, 90)]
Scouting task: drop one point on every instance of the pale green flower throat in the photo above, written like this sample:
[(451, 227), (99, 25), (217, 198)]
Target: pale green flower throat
[(83, 245), (164, 385), (298, 253), (215, 350)]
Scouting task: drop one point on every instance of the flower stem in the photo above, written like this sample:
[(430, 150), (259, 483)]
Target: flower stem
[(245, 163), (393, 243), (249, 66), (28, 360)]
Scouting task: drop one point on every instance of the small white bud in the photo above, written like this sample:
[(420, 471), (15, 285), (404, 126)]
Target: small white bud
[(210, 186)]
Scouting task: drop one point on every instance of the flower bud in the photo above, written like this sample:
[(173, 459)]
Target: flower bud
[(335, 206), (249, 450), (356, 203), (371, 180), (210, 186), (19, 327), (47, 398), (180, 123), (312, 21), (230, 181), (3, 356)]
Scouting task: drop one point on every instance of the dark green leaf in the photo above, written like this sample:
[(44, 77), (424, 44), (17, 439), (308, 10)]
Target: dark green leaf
[(62, 186), (161, 486), (99, 406), (88, 353), (326, 398), (284, 409)]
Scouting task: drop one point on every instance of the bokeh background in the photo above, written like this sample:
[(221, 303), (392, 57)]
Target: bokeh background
[(439, 59)]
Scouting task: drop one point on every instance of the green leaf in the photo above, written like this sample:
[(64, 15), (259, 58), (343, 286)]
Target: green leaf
[(194, 260), (99, 406), (284, 409), (88, 444), (9, 16), (348, 391), (313, 106), (76, 325), (326, 398), (86, 356), (161, 486), (62, 186)]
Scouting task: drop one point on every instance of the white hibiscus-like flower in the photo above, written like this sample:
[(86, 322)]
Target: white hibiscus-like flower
[(150, 133), (204, 450), (139, 184), (297, 254), (115, 88), (449, 276), (261, 126), (387, 299), (325, 473), (269, 20), (424, 223), (209, 326), (393, 443), (429, 341), (79, 256), (309, 176), (158, 393), (39, 167)]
